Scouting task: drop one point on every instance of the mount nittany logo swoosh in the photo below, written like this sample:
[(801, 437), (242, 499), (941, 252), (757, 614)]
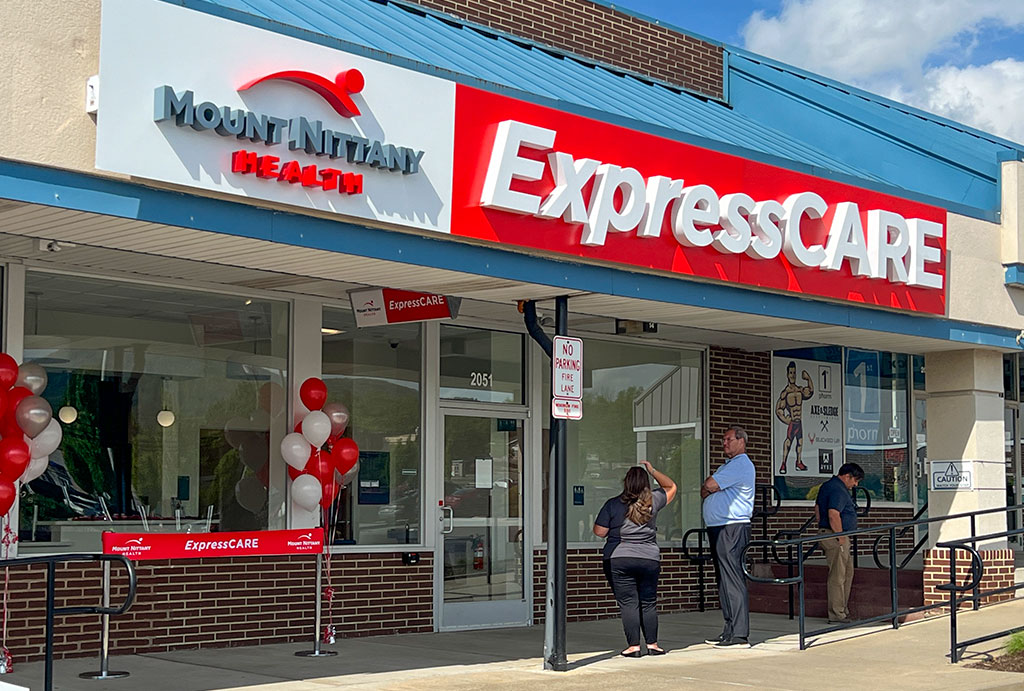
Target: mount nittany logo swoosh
[(336, 93)]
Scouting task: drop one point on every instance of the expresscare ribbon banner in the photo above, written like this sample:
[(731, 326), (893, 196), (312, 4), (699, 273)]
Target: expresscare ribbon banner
[(142, 546)]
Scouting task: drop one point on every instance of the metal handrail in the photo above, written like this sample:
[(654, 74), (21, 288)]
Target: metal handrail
[(957, 647), (977, 572), (766, 509), (51, 562), (699, 559), (910, 555)]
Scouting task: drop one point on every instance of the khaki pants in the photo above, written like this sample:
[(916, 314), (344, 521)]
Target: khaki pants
[(840, 576)]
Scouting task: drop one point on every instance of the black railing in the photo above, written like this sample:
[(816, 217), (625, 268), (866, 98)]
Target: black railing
[(51, 562), (912, 553), (700, 558), (895, 612), (958, 647), (764, 508)]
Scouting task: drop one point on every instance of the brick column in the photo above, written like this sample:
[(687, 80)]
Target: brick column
[(965, 423)]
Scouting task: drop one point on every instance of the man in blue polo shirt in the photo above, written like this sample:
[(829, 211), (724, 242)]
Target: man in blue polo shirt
[(728, 504), (836, 513)]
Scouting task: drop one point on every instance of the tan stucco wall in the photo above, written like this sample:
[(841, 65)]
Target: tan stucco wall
[(48, 49), (976, 291)]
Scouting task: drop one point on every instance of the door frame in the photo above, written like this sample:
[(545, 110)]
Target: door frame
[(436, 516)]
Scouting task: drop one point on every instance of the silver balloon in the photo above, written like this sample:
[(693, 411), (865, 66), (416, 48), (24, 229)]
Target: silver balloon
[(32, 377), (33, 414), (338, 414)]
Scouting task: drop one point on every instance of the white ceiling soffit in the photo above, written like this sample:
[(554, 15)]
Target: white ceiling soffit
[(127, 247)]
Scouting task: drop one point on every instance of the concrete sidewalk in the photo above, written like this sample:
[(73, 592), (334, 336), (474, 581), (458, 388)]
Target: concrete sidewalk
[(914, 657)]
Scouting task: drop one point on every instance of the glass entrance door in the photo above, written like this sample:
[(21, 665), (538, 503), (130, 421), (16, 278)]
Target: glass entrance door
[(481, 569), (1011, 435)]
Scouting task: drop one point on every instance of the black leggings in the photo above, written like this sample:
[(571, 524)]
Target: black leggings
[(635, 584)]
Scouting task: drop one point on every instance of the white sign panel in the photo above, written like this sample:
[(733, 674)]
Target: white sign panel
[(200, 101), (951, 475), (808, 417), (567, 368), (566, 409)]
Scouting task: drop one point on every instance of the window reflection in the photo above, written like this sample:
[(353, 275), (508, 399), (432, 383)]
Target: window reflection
[(640, 402), (171, 399), (375, 372), (481, 365)]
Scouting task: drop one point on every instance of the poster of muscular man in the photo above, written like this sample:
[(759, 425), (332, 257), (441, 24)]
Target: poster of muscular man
[(808, 417)]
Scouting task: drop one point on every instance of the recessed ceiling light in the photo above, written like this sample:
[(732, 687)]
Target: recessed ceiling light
[(330, 332)]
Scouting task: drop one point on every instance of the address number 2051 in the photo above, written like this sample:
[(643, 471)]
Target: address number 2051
[(481, 379)]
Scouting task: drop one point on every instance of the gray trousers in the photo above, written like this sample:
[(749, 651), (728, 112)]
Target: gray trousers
[(727, 545)]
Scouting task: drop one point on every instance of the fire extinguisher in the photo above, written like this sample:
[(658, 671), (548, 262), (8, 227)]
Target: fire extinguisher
[(478, 554)]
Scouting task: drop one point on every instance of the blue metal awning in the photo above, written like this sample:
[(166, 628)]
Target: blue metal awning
[(775, 112)]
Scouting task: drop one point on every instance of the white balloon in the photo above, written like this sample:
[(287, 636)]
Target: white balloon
[(260, 419), (316, 428), (295, 450), (306, 492), (250, 493), (36, 467), (47, 441)]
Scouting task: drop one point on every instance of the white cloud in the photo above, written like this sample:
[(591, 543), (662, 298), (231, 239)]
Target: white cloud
[(897, 48), (989, 97)]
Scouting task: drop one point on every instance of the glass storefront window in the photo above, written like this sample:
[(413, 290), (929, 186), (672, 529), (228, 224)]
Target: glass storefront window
[(1010, 377), (640, 402), (170, 401), (876, 422), (376, 373), (481, 365)]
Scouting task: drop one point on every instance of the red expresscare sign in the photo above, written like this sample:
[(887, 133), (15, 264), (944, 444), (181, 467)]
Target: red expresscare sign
[(530, 176), (141, 546)]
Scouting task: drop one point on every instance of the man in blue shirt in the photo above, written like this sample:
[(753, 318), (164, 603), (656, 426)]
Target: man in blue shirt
[(836, 513), (728, 504)]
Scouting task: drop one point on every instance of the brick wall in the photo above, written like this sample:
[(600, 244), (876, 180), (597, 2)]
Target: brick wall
[(999, 573), (601, 34), (221, 602), (590, 597)]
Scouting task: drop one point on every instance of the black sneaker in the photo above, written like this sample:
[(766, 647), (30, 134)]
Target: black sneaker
[(715, 641), (733, 642)]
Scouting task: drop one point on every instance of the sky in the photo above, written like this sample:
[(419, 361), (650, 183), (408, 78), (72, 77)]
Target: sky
[(962, 59)]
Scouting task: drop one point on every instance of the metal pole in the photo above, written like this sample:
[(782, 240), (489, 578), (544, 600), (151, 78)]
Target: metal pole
[(51, 576), (952, 605), (789, 574), (977, 588), (700, 568), (104, 672), (893, 579), (800, 591), (316, 651), (557, 523)]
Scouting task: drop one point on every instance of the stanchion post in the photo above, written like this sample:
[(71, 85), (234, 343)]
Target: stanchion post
[(104, 672), (316, 651)]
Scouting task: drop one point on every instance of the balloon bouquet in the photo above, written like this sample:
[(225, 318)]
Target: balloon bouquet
[(320, 462), (29, 434)]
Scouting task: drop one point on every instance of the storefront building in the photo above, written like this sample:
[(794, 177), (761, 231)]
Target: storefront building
[(195, 197)]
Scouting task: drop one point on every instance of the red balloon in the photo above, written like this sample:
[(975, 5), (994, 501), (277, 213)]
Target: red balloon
[(345, 454), (320, 467), (313, 393), (8, 372), (331, 490), (7, 495), (14, 458), (14, 397), (292, 472), (263, 474), (9, 427)]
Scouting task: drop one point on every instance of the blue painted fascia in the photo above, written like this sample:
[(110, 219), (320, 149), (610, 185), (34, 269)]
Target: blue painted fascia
[(1014, 275), (78, 191), (206, 6)]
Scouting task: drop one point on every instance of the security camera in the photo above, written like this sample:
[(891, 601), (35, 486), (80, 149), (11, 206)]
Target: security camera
[(393, 343), (53, 246)]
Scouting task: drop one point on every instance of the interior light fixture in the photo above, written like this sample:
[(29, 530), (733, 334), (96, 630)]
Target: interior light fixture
[(330, 332), (67, 414), (249, 301), (165, 418)]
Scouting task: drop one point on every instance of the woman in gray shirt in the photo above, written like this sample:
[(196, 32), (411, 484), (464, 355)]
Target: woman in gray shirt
[(632, 559)]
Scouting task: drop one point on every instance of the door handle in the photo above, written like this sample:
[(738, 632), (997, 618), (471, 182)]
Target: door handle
[(451, 519)]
